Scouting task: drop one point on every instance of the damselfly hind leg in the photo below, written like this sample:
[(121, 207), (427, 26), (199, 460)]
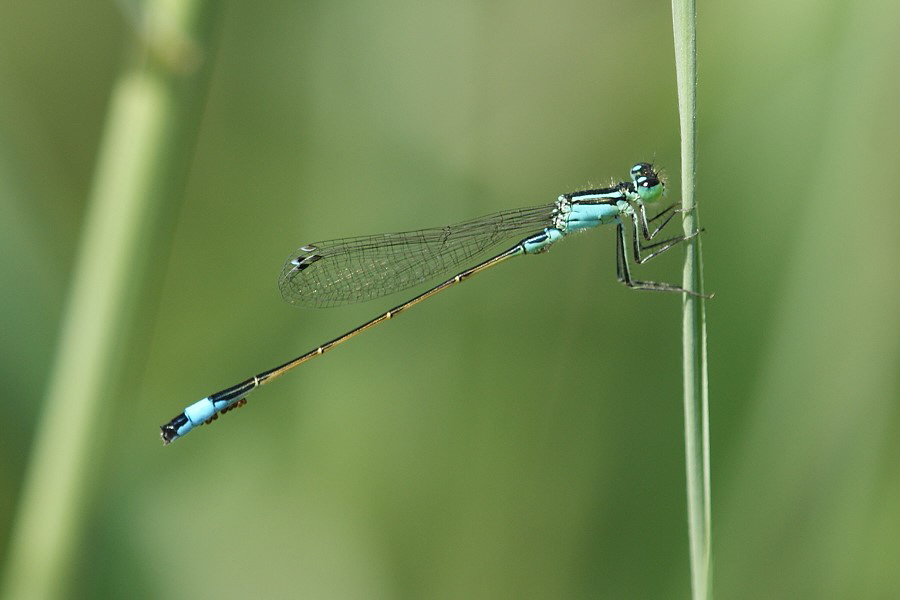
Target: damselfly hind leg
[(623, 272)]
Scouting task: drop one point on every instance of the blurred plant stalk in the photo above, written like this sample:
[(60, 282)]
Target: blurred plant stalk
[(141, 167)]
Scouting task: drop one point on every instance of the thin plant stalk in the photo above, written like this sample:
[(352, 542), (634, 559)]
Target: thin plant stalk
[(694, 349)]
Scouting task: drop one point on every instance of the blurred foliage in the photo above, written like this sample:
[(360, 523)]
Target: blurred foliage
[(519, 436)]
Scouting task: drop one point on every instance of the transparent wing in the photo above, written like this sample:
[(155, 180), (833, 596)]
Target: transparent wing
[(357, 269)]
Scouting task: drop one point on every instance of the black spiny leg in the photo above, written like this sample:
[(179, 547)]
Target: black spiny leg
[(662, 245), (623, 273), (645, 223)]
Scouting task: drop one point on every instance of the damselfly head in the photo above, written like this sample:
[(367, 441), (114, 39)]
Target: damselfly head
[(647, 181)]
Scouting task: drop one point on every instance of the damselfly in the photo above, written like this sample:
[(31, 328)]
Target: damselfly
[(355, 269)]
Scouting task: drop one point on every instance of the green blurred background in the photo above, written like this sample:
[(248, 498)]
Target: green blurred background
[(520, 436)]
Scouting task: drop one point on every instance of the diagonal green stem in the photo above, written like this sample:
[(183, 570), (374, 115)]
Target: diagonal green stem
[(139, 172)]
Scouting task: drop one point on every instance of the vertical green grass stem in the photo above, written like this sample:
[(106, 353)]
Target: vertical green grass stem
[(696, 389)]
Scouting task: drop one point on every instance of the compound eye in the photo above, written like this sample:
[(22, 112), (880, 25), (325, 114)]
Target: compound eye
[(646, 182), (641, 169)]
